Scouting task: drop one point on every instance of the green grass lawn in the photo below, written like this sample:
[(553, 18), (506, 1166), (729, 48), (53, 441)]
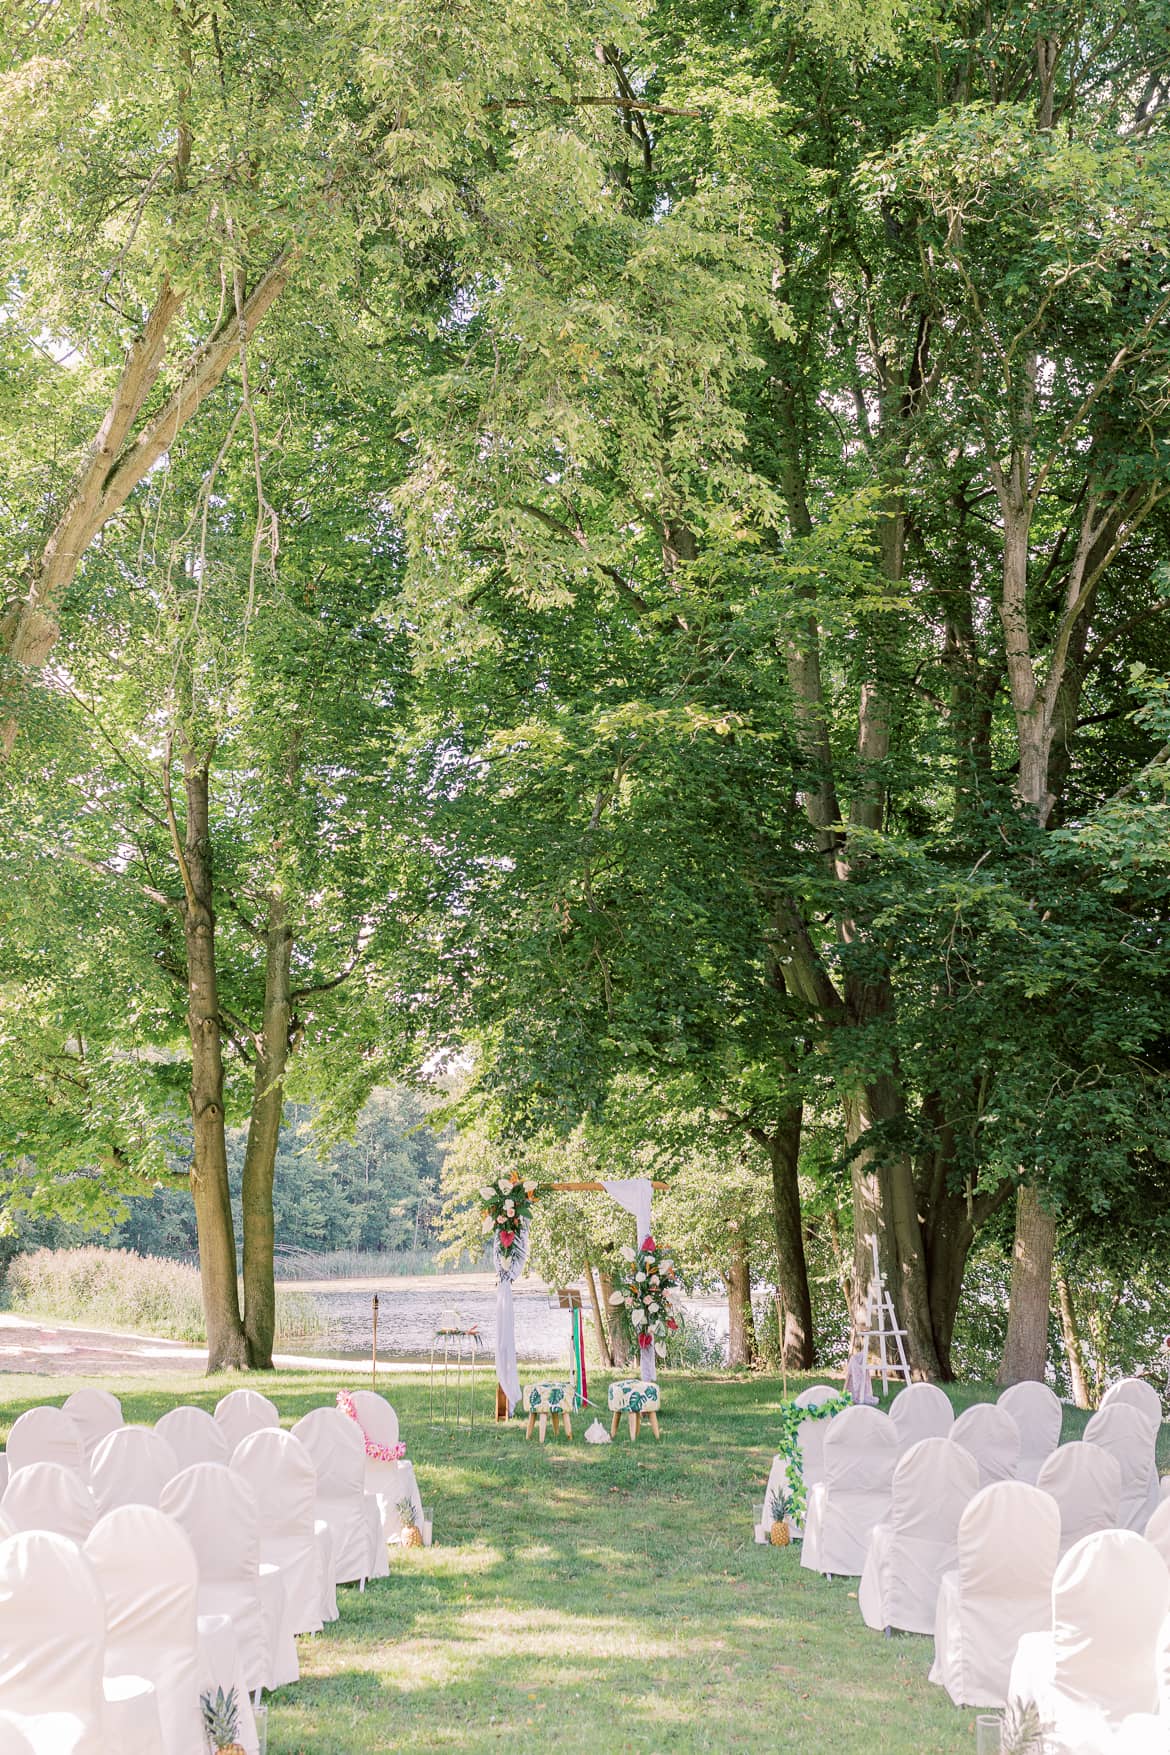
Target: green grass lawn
[(585, 1598)]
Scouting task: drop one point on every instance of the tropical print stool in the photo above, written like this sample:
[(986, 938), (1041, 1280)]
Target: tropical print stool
[(540, 1400), (632, 1397)]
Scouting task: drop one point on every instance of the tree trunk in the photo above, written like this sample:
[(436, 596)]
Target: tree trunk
[(1078, 1377), (783, 1149), (741, 1328), (885, 1208), (263, 1139), (1025, 1352), (602, 1328), (619, 1340), (209, 1172)]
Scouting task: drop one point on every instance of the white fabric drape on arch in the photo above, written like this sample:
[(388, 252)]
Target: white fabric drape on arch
[(508, 1270), (636, 1195)]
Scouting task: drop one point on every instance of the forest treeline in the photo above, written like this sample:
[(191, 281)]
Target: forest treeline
[(624, 551), (377, 1192)]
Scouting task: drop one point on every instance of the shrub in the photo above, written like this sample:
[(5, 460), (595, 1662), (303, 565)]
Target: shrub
[(113, 1288)]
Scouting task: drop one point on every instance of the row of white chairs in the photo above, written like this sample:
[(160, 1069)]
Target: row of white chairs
[(270, 1525), (947, 1542)]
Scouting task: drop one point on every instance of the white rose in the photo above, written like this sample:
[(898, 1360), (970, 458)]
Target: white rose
[(653, 1279), (639, 1276), (509, 1207), (650, 1261), (653, 1304)]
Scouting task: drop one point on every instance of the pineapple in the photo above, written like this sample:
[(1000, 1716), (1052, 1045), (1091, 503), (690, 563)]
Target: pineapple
[(412, 1536), (778, 1534), (220, 1722)]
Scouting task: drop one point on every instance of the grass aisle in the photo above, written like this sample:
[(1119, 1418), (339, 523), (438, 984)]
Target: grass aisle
[(582, 1598)]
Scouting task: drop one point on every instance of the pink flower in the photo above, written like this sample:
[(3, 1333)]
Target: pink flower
[(645, 1339), (649, 1243), (671, 1323), (507, 1238)]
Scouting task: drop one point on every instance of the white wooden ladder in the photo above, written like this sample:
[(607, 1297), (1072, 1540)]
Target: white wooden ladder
[(881, 1325)]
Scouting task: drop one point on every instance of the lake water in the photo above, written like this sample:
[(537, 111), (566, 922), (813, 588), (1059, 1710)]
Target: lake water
[(409, 1314)]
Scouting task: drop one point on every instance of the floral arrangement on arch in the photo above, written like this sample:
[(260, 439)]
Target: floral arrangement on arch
[(507, 1204), (377, 1452), (647, 1283)]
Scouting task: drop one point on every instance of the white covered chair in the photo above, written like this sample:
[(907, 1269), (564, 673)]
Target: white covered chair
[(1085, 1481), (389, 1481), (1158, 1532), (283, 1477), (1039, 1415), (48, 1496), (217, 1509), (131, 1466), (861, 1453), (911, 1550), (993, 1438), (810, 1439), (1009, 1537), (52, 1641), (1139, 1393), (1099, 1663), (375, 1416), (94, 1412), (338, 1450), (921, 1410), (45, 1435), (1126, 1433), (194, 1437), (149, 1578), (243, 1411)]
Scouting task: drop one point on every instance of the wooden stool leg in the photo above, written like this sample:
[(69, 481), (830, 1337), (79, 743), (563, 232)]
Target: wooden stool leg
[(556, 1423), (543, 1426), (615, 1423), (633, 1422), (653, 1419), (568, 1425), (531, 1426)]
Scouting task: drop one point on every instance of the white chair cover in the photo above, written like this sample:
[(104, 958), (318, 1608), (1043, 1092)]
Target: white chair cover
[(992, 1437), (131, 1466), (243, 1411), (337, 1448), (861, 1452), (909, 1552), (1039, 1415), (1125, 1432), (48, 1496), (1085, 1481), (389, 1482), (194, 1437), (1099, 1663), (1158, 1529), (810, 1439), (94, 1412), (375, 1415), (921, 1410), (217, 1509), (52, 1634), (1139, 1393), (45, 1435), (1009, 1537), (219, 1667), (150, 1580), (283, 1477)]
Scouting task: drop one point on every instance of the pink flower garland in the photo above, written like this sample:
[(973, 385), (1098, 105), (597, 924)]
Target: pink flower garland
[(377, 1452)]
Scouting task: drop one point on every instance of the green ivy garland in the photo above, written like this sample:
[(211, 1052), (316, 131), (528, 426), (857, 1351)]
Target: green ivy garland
[(792, 1417)]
